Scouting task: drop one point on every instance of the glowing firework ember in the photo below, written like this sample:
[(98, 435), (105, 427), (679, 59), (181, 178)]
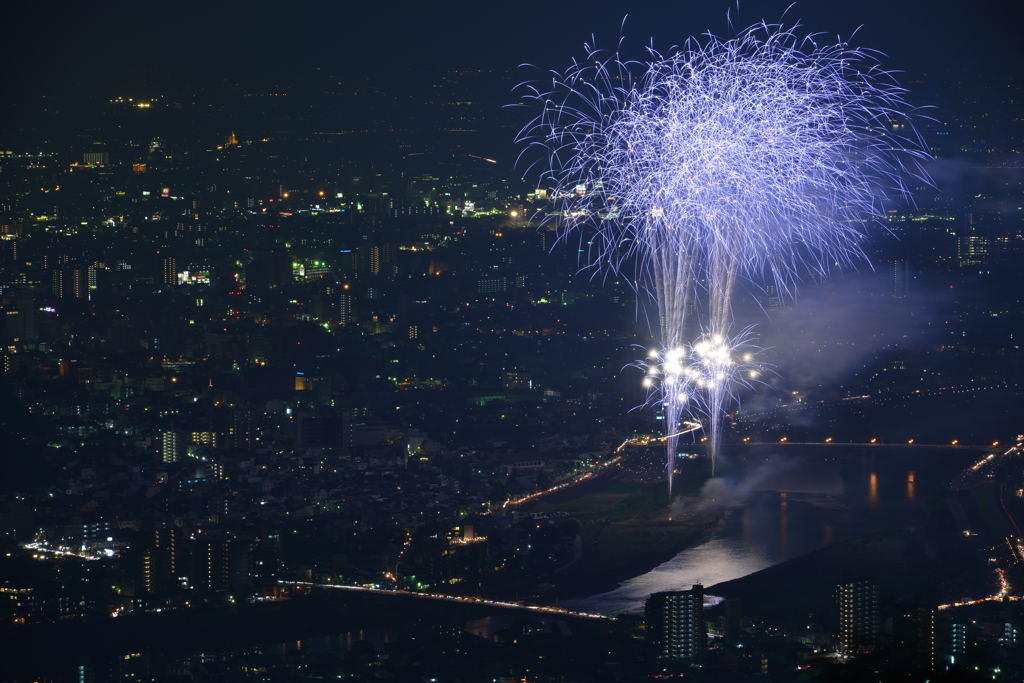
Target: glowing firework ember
[(690, 371), (701, 378), (761, 158)]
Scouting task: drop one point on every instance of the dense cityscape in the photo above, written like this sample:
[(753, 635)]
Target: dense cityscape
[(301, 380)]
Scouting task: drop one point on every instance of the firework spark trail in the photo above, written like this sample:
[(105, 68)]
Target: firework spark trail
[(760, 157)]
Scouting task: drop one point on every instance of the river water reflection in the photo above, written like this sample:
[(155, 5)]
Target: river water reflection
[(783, 503)]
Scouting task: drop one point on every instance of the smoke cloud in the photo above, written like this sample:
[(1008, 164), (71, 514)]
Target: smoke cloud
[(831, 330), (727, 491)]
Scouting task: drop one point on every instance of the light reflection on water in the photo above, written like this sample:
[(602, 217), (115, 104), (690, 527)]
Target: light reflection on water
[(787, 510), (337, 642), (717, 560)]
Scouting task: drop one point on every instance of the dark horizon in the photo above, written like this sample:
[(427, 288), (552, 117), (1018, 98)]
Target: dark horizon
[(125, 48)]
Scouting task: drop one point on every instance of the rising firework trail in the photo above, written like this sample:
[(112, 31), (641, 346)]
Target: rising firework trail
[(760, 158)]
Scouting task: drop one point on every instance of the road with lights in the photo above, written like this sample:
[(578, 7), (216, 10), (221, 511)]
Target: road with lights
[(467, 600)]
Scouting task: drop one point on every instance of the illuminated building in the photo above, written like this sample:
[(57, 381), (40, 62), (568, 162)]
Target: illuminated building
[(70, 283), (11, 362), (170, 274), (675, 623), (1008, 634), (31, 606), (170, 446), (244, 427), (212, 563), (345, 309), (382, 260), (492, 285), (858, 615), (960, 638), (155, 561), (900, 277), (516, 381), (8, 245), (208, 438), (914, 630)]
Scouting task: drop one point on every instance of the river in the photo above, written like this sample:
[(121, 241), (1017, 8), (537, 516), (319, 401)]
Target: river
[(783, 502)]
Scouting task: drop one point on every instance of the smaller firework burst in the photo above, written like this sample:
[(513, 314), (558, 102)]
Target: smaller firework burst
[(692, 375)]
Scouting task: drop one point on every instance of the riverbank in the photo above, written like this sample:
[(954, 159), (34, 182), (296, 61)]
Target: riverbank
[(627, 529), (804, 585), (623, 550)]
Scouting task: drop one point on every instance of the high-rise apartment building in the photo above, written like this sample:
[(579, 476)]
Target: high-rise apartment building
[(171, 446), (858, 602), (959, 637), (345, 316), (899, 276), (675, 623), (243, 433), (212, 563), (492, 285), (70, 283), (383, 260), (913, 630), (170, 273)]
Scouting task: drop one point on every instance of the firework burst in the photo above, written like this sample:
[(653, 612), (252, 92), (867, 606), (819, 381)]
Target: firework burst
[(761, 158), (701, 378)]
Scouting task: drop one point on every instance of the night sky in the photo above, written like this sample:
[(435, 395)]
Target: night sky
[(66, 46)]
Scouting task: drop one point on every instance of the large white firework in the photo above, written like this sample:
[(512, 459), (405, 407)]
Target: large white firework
[(762, 157)]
